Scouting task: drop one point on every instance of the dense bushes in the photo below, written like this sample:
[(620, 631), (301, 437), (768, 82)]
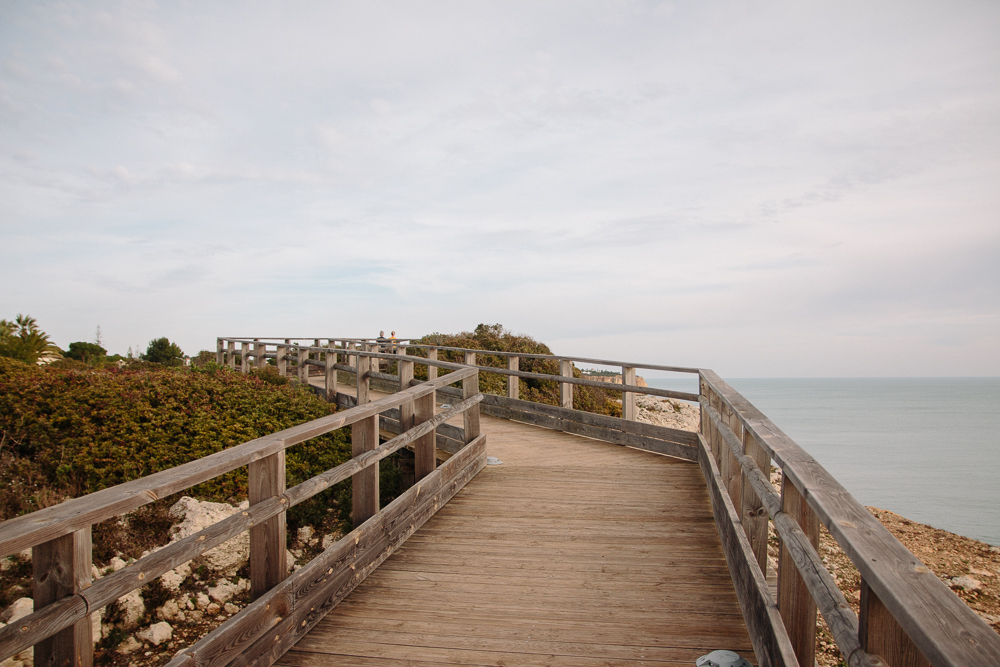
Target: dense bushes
[(66, 432), (494, 337)]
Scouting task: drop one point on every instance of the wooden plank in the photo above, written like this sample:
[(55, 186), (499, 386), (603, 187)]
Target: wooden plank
[(364, 366), (432, 370), (513, 382), (753, 514), (405, 377), (364, 485), (267, 539), (638, 428), (607, 435), (281, 360), (798, 610), (244, 357), (330, 376), (470, 387), (628, 397), (423, 448), (880, 634), (220, 351), (231, 354), (61, 567), (565, 388)]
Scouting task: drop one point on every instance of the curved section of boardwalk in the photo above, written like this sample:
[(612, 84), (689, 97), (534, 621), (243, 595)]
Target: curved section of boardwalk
[(572, 552)]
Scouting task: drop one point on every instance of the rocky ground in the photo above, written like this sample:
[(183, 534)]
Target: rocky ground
[(149, 626), (667, 412)]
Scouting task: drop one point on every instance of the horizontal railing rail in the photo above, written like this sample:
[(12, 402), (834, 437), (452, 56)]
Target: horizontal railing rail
[(65, 597)]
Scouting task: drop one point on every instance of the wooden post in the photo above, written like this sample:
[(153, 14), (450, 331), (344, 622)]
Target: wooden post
[(406, 409), (364, 487), (62, 567), (220, 351), (754, 517), (432, 371), (798, 610), (231, 354), (734, 472), (258, 353), (565, 388), (331, 372), (244, 358), (880, 634), (628, 398), (267, 539), (303, 356), (513, 382), (364, 365), (423, 447), (281, 360), (470, 418)]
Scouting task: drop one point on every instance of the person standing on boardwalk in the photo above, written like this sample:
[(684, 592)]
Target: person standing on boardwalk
[(392, 342)]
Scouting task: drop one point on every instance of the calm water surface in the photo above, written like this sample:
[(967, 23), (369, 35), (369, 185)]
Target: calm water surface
[(926, 448)]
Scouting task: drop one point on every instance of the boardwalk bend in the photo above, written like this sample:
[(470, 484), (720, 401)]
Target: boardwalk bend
[(596, 541)]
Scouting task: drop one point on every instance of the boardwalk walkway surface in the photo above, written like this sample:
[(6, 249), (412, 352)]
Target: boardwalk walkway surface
[(572, 552)]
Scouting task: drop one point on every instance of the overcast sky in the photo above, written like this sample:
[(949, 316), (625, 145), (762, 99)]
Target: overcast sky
[(762, 188)]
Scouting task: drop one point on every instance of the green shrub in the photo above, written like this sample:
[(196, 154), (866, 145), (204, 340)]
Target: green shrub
[(66, 433), (488, 337), (88, 353)]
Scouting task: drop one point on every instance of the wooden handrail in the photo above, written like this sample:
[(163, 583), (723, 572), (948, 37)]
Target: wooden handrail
[(942, 627)]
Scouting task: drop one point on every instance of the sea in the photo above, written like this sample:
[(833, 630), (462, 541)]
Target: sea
[(925, 448)]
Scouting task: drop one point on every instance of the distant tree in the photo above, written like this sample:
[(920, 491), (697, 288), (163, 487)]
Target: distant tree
[(88, 353), (23, 340), (162, 351), (204, 357)]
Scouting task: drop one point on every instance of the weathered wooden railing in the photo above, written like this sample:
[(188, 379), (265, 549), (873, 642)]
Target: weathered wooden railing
[(908, 616), (285, 606), (258, 352)]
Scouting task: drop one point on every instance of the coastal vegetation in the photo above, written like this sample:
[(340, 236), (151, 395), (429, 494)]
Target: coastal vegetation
[(494, 337)]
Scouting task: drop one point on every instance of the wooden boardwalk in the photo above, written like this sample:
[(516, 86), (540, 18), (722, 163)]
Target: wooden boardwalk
[(572, 552)]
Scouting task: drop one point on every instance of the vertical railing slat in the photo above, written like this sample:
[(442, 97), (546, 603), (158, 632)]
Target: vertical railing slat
[(880, 634), (330, 382), (513, 382), (797, 608), (565, 388), (424, 460), (267, 539), (61, 567), (628, 397), (364, 484), (432, 371)]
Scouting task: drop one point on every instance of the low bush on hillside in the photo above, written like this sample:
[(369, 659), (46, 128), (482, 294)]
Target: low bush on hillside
[(494, 337), (66, 432)]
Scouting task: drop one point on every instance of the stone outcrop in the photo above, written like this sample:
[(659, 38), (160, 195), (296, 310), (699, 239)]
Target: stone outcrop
[(194, 516), (614, 379)]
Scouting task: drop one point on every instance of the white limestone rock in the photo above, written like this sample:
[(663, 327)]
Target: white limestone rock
[(194, 516), (305, 534), (966, 583), (116, 564), (170, 611), (130, 645), (133, 609), (156, 634), (225, 590), (173, 579)]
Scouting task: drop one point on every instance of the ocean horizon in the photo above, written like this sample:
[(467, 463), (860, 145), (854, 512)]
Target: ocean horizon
[(925, 448)]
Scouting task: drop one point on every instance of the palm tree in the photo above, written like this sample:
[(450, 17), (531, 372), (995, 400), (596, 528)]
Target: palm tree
[(23, 340)]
